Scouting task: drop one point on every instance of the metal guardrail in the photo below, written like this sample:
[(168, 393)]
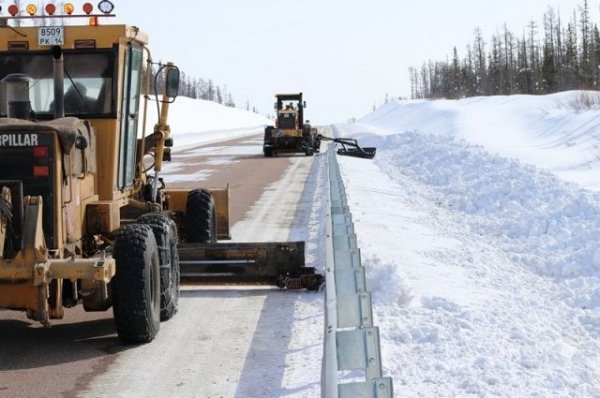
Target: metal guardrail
[(351, 359)]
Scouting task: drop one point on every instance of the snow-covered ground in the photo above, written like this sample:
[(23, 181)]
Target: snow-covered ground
[(479, 227)]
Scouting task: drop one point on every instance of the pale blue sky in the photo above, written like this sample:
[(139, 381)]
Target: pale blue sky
[(344, 55)]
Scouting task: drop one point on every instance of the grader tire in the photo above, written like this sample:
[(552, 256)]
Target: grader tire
[(136, 285), (317, 147), (200, 217), (268, 152), (268, 139), (165, 233), (307, 140), (308, 147)]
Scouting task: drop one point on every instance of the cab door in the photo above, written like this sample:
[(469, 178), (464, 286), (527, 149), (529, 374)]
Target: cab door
[(129, 115)]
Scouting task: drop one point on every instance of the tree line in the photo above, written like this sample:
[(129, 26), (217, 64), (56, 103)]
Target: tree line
[(198, 88), (567, 57)]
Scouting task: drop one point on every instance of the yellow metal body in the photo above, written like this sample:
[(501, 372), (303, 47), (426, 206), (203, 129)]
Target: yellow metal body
[(106, 36), (92, 205), (27, 278), (290, 132)]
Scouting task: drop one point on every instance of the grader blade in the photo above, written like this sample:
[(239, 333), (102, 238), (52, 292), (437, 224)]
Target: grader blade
[(350, 147), (274, 263)]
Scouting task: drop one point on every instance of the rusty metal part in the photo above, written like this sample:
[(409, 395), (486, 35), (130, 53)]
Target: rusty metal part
[(308, 280)]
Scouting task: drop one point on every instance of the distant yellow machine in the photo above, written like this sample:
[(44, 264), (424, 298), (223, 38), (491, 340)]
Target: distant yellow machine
[(290, 133), (84, 219)]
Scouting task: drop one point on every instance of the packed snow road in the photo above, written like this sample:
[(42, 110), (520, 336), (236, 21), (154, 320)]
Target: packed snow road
[(224, 341)]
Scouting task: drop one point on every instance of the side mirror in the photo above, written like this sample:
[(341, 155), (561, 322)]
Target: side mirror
[(304, 104), (172, 83), (16, 86)]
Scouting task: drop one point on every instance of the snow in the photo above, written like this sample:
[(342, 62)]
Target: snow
[(479, 227), (196, 121), (482, 249), (556, 132)]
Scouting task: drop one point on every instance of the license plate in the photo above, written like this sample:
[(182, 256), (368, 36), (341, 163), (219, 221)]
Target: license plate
[(51, 36)]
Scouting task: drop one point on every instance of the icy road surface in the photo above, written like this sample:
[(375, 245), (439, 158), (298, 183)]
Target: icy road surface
[(232, 341)]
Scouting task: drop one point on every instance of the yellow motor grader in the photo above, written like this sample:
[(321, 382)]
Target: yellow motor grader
[(290, 133), (83, 218)]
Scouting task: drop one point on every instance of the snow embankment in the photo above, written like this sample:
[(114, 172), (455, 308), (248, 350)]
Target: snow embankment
[(558, 132), (196, 121), (484, 265)]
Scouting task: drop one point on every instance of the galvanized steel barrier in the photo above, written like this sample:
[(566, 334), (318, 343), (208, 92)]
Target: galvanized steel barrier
[(351, 359)]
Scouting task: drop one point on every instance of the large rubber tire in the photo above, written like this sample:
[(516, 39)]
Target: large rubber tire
[(317, 147), (268, 133), (165, 233), (136, 285), (200, 217), (268, 139), (307, 140), (308, 146)]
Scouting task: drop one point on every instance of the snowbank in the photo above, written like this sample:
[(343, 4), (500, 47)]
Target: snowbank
[(479, 226), (196, 121), (558, 132)]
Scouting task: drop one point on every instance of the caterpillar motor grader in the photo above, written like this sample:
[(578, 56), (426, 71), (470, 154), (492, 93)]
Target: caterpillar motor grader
[(290, 133), (84, 220)]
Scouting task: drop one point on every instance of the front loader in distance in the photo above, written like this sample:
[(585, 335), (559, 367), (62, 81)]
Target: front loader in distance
[(83, 218), (290, 133)]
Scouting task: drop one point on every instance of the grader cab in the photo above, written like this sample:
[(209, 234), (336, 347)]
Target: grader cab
[(83, 218), (290, 133)]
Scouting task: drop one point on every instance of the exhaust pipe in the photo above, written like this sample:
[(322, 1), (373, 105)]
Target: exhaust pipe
[(59, 82)]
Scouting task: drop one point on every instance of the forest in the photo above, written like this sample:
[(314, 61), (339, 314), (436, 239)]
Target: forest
[(563, 54), (198, 88), (194, 87)]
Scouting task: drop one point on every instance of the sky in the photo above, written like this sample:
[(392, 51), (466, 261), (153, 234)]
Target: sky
[(478, 223), (345, 56)]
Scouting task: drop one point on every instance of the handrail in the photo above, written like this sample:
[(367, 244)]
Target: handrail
[(351, 355)]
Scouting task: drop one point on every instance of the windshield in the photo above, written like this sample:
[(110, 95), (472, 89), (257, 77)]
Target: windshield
[(88, 81), (287, 120)]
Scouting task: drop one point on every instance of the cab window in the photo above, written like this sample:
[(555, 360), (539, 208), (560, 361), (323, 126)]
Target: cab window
[(88, 82)]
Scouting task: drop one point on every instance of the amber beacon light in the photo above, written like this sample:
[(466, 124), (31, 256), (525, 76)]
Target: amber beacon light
[(31, 9), (106, 7), (68, 8)]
